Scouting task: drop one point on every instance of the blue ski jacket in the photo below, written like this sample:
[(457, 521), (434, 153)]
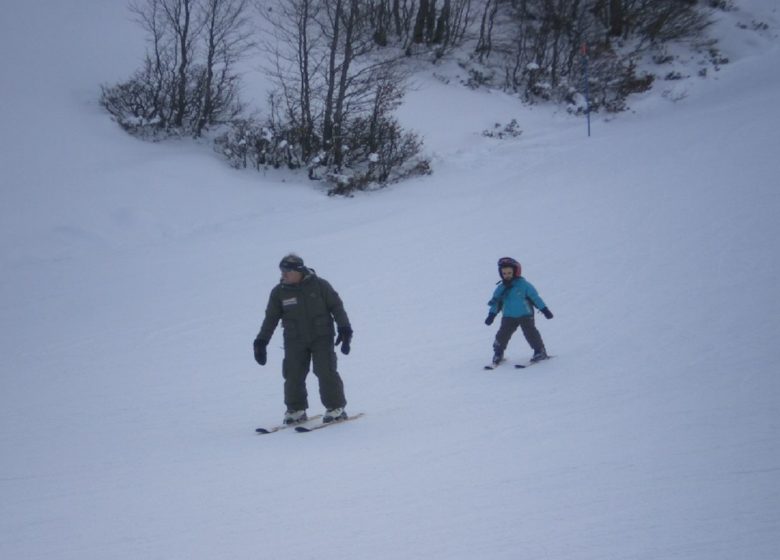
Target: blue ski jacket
[(516, 299)]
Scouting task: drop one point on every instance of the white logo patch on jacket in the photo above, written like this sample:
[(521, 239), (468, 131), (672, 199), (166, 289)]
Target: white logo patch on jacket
[(289, 301)]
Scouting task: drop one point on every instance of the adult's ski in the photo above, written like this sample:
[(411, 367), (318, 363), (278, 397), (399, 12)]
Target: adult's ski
[(494, 365), (529, 364), (309, 428), (280, 427)]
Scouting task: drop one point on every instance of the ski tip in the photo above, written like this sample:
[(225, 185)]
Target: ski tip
[(520, 366)]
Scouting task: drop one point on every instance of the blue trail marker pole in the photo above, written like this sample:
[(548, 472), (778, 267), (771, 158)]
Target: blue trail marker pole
[(587, 83)]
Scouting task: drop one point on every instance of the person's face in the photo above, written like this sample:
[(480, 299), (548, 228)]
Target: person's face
[(291, 276), (507, 273)]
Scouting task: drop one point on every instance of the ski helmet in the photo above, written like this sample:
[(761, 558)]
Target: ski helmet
[(509, 262)]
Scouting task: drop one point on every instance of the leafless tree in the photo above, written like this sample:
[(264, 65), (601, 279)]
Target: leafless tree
[(188, 80), (227, 36), (441, 25), (295, 59), (335, 87), (538, 41)]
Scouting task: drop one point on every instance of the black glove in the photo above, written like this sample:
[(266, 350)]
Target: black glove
[(260, 354), (345, 339), (490, 318), (547, 313)]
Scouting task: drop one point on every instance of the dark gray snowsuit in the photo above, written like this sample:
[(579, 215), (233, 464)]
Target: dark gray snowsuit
[(307, 311)]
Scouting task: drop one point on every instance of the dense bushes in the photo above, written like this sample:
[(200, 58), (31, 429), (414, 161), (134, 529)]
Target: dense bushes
[(338, 70)]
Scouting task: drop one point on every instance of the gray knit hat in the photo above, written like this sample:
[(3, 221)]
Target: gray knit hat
[(292, 262)]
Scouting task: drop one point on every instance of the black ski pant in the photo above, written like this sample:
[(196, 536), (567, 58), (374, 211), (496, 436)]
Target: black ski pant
[(509, 326), (322, 356)]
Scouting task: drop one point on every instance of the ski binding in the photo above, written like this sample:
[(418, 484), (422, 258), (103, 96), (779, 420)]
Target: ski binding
[(306, 429), (280, 427)]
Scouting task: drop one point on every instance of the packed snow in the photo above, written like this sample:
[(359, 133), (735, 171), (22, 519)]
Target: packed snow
[(135, 275)]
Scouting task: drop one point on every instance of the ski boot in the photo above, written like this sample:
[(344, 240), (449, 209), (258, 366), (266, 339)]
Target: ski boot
[(498, 356), (295, 417), (334, 414), (539, 355)]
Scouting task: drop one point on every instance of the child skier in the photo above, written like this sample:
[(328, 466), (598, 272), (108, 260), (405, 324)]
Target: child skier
[(515, 297)]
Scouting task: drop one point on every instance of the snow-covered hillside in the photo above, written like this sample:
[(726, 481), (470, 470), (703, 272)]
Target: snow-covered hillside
[(134, 278)]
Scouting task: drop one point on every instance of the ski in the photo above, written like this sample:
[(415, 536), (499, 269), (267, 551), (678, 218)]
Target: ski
[(280, 427), (494, 365), (306, 429), (529, 364)]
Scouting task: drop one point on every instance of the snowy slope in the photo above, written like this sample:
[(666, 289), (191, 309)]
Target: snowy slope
[(135, 276)]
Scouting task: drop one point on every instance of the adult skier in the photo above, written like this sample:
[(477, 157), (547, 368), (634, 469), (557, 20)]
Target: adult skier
[(515, 297), (307, 305)]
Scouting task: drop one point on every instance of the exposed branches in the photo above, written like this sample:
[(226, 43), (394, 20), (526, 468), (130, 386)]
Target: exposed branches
[(188, 81)]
